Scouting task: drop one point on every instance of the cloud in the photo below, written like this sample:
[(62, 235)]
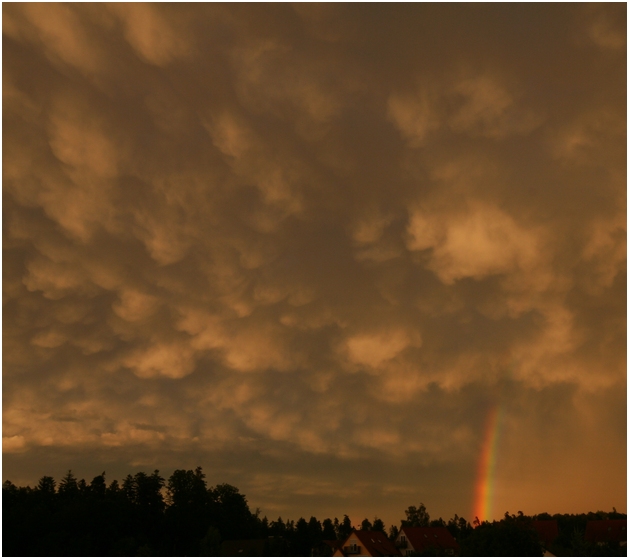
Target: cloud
[(171, 360), (151, 32), (61, 32), (477, 106), (415, 115), (312, 246), (15, 443), (373, 350), (481, 242), (605, 26)]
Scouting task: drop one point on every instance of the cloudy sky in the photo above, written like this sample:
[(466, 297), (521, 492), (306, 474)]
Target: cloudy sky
[(312, 248)]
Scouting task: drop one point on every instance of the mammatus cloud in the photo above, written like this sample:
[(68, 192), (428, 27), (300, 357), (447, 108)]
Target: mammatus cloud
[(481, 241), (474, 106), (310, 254)]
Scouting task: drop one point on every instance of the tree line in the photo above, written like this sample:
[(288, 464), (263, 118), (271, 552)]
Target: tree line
[(147, 515)]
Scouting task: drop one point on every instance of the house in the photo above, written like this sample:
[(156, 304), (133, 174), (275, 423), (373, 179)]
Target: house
[(419, 540), (367, 543), (547, 532), (606, 531), (331, 546)]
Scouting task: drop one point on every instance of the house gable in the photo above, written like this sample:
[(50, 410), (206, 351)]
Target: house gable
[(418, 540), (367, 543), (606, 531), (547, 531)]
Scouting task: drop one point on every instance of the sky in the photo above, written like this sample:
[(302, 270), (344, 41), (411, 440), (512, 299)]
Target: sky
[(346, 257)]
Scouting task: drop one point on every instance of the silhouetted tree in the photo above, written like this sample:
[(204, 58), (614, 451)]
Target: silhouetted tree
[(301, 538), (506, 538), (416, 516), (277, 528), (329, 533), (438, 523), (345, 528), (315, 532), (79, 519), (46, 485), (97, 487), (337, 527), (378, 526), (393, 532), (190, 513), (234, 519), (148, 491), (262, 528), (459, 527), (68, 486), (114, 490)]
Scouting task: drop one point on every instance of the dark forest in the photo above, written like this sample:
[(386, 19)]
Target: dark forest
[(147, 515)]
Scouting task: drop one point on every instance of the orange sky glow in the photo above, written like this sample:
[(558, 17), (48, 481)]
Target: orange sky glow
[(312, 248)]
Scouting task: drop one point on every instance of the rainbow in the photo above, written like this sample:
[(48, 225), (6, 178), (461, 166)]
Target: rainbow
[(484, 491)]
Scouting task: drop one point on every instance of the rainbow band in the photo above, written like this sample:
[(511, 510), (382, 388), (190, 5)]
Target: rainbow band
[(485, 480)]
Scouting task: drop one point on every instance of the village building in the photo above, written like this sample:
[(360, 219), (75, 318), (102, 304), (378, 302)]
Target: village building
[(547, 531), (367, 543), (606, 531), (420, 540)]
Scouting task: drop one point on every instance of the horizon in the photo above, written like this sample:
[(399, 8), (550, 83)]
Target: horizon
[(347, 258), (355, 520)]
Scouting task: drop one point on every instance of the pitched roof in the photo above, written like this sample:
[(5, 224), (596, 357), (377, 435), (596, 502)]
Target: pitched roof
[(547, 530), (334, 544), (606, 530), (375, 543), (421, 538)]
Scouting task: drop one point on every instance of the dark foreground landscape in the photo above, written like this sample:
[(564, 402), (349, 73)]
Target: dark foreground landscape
[(147, 515)]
